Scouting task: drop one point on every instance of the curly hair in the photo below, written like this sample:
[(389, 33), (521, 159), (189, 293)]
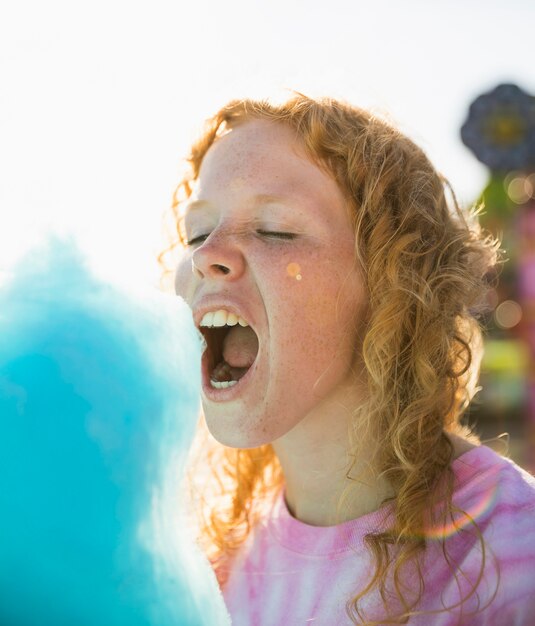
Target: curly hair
[(426, 267)]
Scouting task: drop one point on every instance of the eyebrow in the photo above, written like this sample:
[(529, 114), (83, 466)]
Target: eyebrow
[(257, 200)]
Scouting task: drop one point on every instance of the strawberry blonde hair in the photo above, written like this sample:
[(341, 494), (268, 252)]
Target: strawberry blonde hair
[(426, 266)]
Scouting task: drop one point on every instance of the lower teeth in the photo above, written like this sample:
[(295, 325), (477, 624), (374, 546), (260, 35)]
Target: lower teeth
[(222, 384)]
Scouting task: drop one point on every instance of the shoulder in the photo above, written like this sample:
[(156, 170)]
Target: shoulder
[(493, 483), (482, 562), (499, 497)]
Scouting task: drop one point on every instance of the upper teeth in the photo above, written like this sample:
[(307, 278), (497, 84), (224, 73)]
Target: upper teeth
[(222, 318)]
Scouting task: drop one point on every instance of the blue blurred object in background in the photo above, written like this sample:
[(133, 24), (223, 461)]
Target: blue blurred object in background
[(99, 399)]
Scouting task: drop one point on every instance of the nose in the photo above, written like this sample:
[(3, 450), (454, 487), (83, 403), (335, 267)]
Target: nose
[(218, 257)]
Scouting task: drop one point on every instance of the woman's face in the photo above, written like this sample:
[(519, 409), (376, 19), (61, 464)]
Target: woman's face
[(273, 243)]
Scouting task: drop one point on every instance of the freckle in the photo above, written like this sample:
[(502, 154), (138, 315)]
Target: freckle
[(293, 270)]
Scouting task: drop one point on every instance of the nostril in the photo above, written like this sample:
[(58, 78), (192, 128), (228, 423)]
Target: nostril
[(216, 267)]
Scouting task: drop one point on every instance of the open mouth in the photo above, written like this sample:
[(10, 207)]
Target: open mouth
[(230, 353)]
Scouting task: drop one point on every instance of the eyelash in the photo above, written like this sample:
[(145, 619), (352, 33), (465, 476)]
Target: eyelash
[(275, 234)]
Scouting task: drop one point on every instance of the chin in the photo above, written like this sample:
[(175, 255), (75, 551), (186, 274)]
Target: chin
[(237, 440), (233, 436)]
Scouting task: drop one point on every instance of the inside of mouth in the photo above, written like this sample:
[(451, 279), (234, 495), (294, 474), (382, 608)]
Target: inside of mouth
[(232, 352), (225, 372)]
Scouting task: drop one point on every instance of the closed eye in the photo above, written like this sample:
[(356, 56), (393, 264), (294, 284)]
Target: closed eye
[(277, 235), (264, 233), (191, 242)]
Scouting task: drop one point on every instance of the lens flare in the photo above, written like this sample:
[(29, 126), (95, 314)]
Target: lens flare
[(508, 314), (294, 270)]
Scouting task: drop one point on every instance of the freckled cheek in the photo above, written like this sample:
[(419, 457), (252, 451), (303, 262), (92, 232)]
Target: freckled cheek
[(306, 317), (319, 310), (307, 289), (323, 300), (329, 306)]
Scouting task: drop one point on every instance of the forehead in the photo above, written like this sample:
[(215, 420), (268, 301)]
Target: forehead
[(261, 158)]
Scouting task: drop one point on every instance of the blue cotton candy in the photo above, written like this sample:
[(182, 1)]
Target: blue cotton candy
[(99, 400)]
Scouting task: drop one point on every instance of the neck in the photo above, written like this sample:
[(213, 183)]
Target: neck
[(318, 468), (315, 461)]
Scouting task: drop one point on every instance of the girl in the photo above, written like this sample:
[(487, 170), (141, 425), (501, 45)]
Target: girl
[(338, 291)]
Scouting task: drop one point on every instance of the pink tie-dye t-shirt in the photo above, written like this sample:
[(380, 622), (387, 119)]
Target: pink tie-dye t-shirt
[(291, 574)]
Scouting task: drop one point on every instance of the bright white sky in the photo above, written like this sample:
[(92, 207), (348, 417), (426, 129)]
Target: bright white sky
[(100, 98)]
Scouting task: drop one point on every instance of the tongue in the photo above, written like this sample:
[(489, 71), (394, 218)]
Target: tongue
[(240, 346)]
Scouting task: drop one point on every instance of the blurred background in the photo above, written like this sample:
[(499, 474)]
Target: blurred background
[(99, 101)]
